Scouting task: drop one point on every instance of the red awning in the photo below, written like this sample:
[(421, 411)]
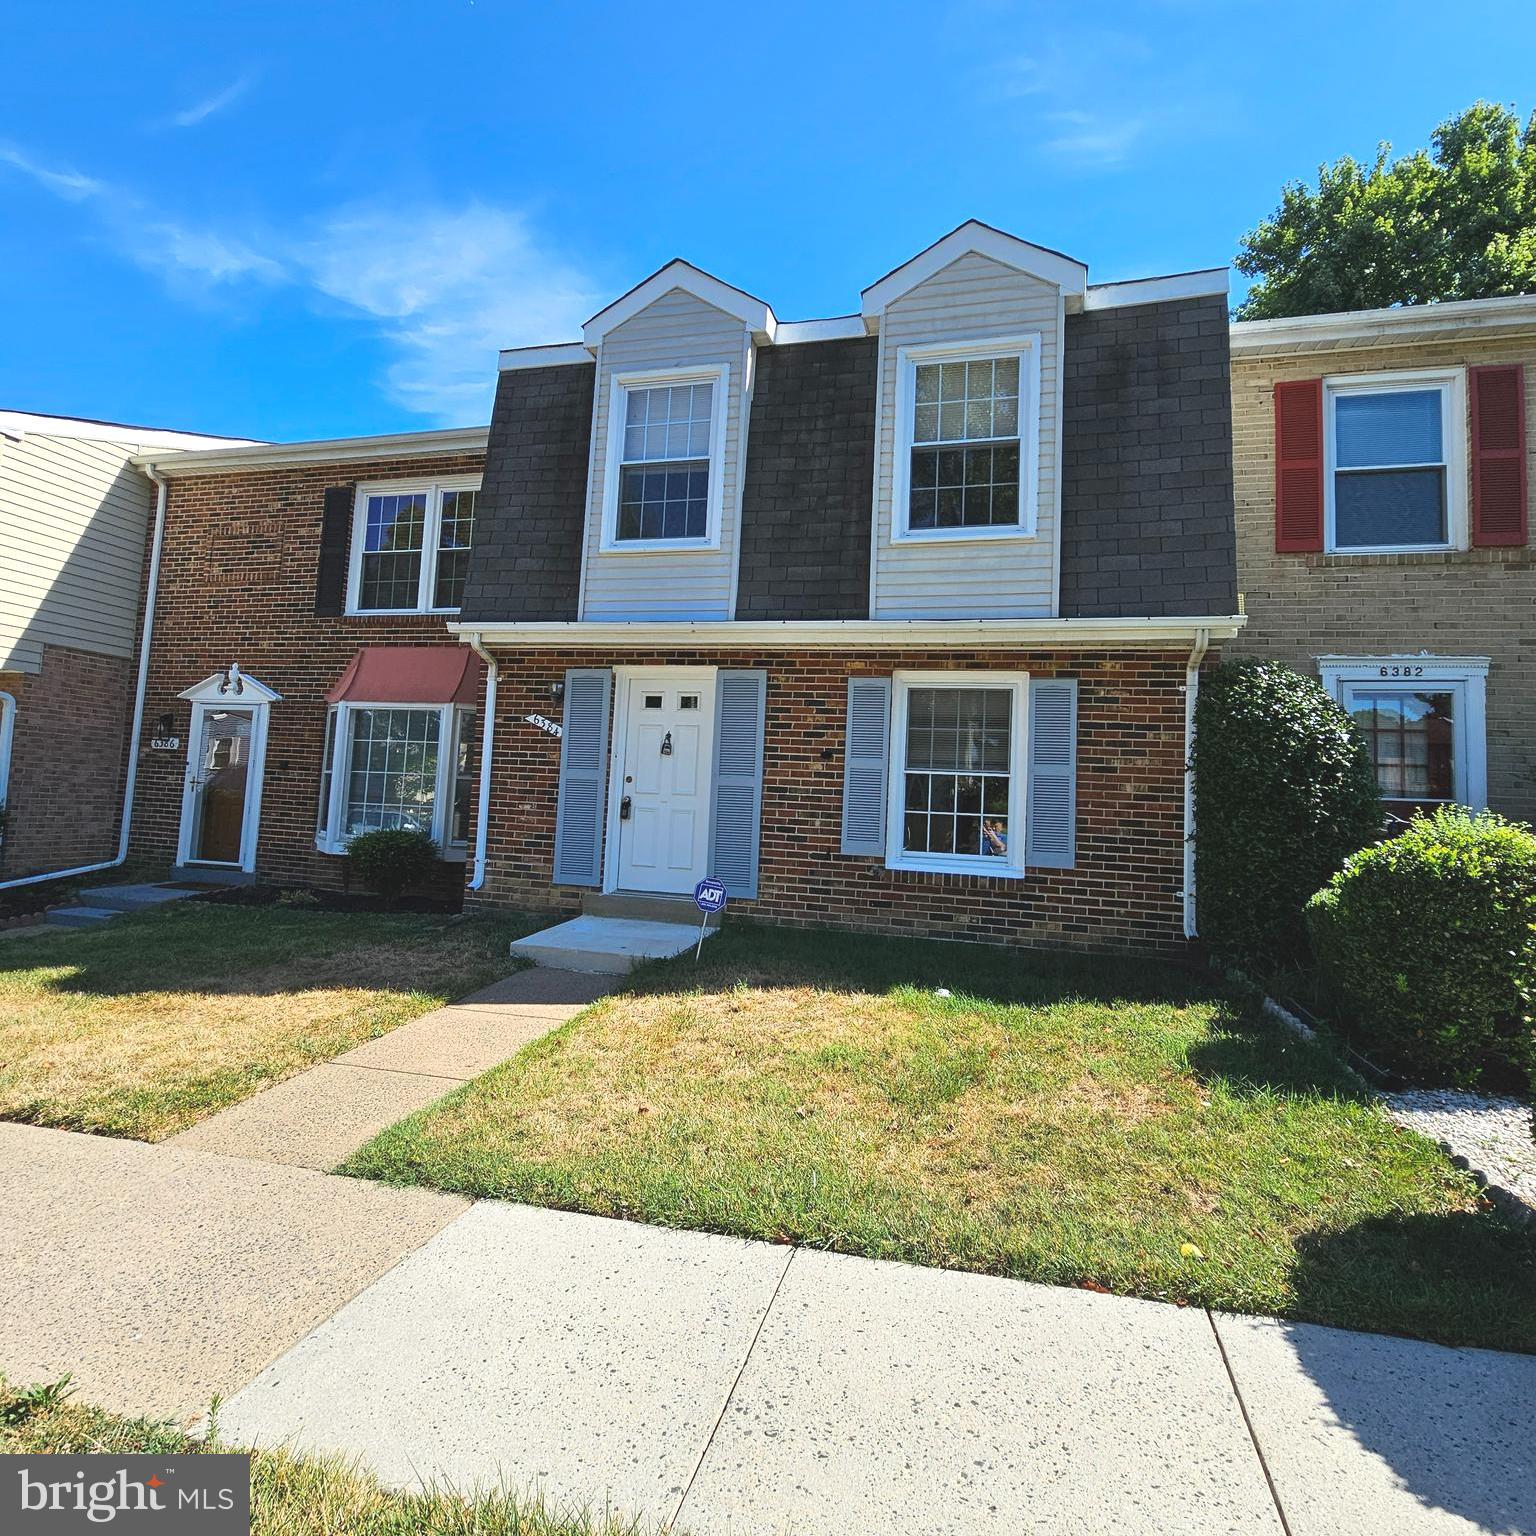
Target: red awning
[(410, 674)]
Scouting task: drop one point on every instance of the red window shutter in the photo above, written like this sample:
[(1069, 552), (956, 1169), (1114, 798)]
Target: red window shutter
[(1299, 466), (1498, 455)]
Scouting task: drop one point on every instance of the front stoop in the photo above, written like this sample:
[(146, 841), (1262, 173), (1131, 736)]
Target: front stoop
[(609, 946)]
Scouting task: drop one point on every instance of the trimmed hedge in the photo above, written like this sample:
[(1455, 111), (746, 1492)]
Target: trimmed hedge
[(392, 860), (1429, 940), (1284, 793)]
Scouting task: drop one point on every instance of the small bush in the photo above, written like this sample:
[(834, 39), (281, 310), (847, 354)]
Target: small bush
[(1285, 792), (392, 860), (1429, 941)]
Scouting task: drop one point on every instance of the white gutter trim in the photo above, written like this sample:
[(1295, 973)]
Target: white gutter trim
[(553, 355), (1211, 282), (1382, 327), (945, 634), (131, 778), (836, 328), (396, 445), (487, 732), (1191, 697)]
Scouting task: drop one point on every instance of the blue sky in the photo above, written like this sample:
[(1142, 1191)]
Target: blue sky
[(288, 221)]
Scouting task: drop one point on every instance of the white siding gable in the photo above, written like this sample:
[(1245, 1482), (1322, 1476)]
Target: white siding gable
[(973, 297), (678, 330)]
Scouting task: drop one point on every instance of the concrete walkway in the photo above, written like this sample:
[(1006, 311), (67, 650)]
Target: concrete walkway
[(736, 1386), (320, 1117)]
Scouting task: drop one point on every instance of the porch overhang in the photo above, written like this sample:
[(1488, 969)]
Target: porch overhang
[(854, 634)]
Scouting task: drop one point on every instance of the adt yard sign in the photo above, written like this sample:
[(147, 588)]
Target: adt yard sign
[(708, 897)]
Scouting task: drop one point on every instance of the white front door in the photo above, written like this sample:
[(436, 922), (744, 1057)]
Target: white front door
[(663, 802)]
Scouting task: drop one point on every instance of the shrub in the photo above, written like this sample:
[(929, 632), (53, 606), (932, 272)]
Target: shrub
[(1429, 940), (391, 860), (1285, 792)]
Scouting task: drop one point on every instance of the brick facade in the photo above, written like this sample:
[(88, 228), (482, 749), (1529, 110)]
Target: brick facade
[(66, 788), (1124, 893), (237, 584), (1478, 602)]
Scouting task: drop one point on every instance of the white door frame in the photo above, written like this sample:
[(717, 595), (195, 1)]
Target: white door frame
[(623, 679), (227, 692)]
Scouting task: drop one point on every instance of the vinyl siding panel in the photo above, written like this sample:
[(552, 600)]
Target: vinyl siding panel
[(677, 331), (972, 297), (73, 519)]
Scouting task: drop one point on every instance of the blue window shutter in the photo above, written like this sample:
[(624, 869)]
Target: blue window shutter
[(1052, 839), (737, 804), (583, 769), (864, 764)]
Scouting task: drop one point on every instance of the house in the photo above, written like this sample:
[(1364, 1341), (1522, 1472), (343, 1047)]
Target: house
[(1383, 474), (74, 514), (890, 621)]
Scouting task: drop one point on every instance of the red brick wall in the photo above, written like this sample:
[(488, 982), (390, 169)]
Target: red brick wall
[(66, 790), (237, 584), (1123, 894)]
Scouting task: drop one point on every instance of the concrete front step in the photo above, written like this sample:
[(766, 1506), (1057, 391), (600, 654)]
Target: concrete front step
[(608, 946), (645, 907), (133, 898), (81, 917), (211, 874)]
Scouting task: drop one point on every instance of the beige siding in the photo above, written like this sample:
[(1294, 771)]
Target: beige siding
[(972, 297), (677, 331), (73, 517)]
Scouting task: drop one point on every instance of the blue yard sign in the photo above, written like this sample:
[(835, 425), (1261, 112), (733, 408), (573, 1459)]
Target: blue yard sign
[(708, 897)]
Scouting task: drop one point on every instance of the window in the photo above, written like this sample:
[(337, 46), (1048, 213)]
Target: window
[(663, 483), (965, 453), (1423, 721), (957, 781), (410, 546), (1394, 449), (7, 735), (396, 766)]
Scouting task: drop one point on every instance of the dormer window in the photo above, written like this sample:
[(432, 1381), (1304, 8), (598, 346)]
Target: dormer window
[(965, 463), (665, 446)]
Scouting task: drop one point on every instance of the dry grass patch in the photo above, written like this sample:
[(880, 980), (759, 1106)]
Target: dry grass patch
[(151, 1023)]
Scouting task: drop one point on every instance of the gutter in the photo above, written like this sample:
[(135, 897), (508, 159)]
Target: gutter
[(131, 778), (487, 732), (1191, 697)]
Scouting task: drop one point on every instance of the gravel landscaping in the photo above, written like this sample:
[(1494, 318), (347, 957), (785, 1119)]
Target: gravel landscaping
[(1493, 1135)]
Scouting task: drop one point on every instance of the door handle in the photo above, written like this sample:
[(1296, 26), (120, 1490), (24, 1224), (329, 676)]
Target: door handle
[(624, 807)]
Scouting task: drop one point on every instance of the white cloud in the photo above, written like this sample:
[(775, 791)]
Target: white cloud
[(202, 255), (201, 111), (62, 182), (1090, 138)]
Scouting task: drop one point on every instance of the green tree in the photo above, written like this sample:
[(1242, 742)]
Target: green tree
[(1455, 222)]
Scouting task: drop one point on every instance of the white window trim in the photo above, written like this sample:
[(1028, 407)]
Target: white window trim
[(719, 374), (1465, 676), (1452, 383), (327, 838), (896, 857), (430, 534), (1025, 347), (7, 740)]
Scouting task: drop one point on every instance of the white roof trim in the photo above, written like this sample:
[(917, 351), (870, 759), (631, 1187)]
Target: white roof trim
[(397, 445), (838, 328), (544, 357), (18, 423), (973, 236), (1210, 282), (752, 313), (946, 634), (1383, 327)]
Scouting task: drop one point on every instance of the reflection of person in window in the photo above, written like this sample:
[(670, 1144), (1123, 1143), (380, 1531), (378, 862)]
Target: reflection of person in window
[(994, 840)]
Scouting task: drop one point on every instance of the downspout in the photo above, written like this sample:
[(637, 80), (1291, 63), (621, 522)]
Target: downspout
[(131, 778), (1191, 696), (487, 731)]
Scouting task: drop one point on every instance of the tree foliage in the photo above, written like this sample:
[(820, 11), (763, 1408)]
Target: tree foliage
[(1455, 222)]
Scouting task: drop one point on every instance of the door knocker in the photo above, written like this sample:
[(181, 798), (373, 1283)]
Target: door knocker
[(666, 745)]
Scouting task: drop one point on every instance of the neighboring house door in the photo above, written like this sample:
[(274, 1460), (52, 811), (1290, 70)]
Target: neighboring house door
[(664, 789), (226, 750)]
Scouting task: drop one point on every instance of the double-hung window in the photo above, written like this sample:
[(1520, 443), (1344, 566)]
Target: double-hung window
[(958, 768), (410, 546), (397, 766), (665, 447), (1394, 450), (965, 456)]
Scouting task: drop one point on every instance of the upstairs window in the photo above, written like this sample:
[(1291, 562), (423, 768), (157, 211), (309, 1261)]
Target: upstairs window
[(965, 455), (664, 464), (410, 546), (1393, 449)]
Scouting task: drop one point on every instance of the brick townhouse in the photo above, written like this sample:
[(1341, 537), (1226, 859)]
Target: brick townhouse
[(890, 621), (1383, 474)]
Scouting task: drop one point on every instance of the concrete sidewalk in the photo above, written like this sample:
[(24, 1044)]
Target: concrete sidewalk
[(734, 1386)]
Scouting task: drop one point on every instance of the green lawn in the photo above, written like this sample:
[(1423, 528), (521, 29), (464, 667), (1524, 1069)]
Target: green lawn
[(1114, 1124), (157, 1019), (290, 1496)]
